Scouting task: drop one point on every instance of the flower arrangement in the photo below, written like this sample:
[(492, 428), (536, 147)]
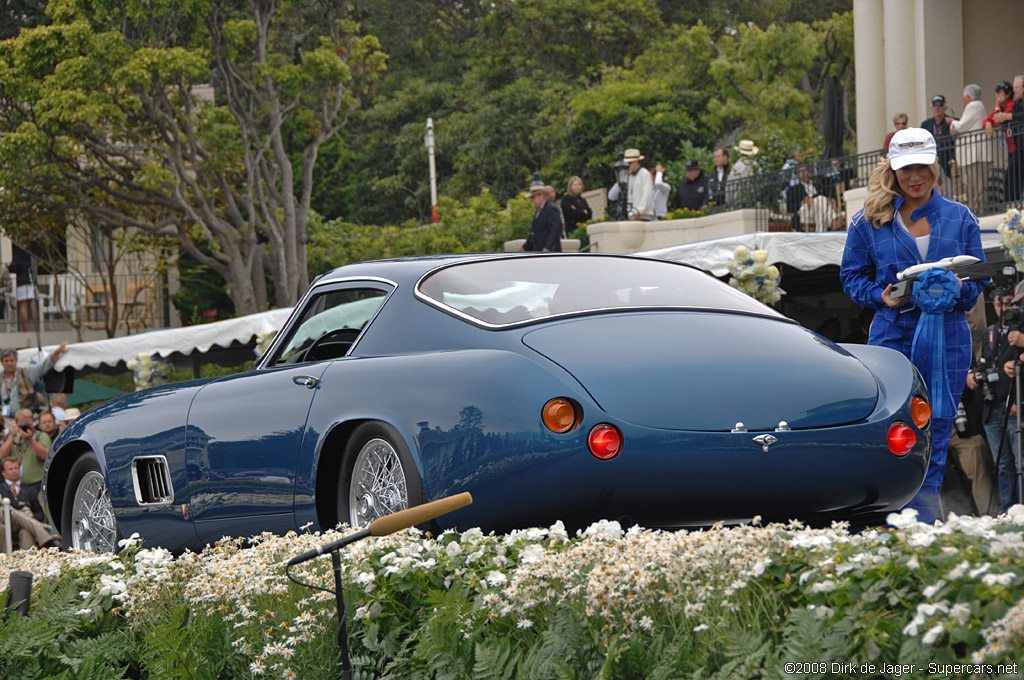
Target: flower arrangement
[(1013, 236), (148, 371), (940, 596), (263, 341), (752, 274)]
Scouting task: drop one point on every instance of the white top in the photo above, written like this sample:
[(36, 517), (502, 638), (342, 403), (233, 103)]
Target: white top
[(661, 191), (922, 241)]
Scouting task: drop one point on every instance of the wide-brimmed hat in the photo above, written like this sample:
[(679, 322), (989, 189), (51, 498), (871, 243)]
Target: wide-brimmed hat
[(746, 147), (70, 414), (911, 146), (631, 155)]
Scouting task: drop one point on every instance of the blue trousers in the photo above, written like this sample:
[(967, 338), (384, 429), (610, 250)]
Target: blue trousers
[(926, 502), (1005, 464)]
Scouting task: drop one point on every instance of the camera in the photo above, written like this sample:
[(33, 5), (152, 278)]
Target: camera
[(1012, 318), (986, 376), (24, 427), (960, 422)]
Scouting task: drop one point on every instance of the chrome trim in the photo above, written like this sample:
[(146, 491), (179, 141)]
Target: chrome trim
[(739, 427), (765, 440), (301, 304), (783, 427), (163, 488)]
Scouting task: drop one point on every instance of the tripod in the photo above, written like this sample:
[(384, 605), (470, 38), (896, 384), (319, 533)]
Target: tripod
[(1014, 396)]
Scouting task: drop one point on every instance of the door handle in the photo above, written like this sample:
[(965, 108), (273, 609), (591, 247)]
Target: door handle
[(306, 380)]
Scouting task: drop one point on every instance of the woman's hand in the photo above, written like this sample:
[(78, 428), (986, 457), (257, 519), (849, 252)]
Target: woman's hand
[(889, 301)]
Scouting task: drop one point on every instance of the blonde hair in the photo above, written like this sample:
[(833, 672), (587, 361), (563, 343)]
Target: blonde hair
[(883, 188), (568, 185), (900, 116)]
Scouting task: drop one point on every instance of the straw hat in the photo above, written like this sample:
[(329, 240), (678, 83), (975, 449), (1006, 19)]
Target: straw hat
[(632, 155), (746, 147)]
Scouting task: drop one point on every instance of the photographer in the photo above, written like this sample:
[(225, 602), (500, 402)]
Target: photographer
[(996, 385), (28, 446)]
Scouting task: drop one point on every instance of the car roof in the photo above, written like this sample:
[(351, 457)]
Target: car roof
[(405, 269)]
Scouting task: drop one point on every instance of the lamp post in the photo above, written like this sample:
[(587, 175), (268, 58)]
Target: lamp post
[(428, 140), (622, 180)]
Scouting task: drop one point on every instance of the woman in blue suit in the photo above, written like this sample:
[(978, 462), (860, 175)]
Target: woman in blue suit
[(905, 221)]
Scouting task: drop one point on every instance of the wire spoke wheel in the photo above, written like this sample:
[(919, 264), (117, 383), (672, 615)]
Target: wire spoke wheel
[(93, 525), (378, 485)]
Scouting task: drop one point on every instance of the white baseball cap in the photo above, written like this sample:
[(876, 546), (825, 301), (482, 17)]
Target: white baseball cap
[(911, 146)]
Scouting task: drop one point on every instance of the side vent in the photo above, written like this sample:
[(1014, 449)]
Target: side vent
[(152, 480)]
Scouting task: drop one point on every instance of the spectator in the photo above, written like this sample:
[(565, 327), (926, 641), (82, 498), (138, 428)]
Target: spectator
[(23, 267), (575, 209), (716, 182), (48, 425), (814, 209), (27, 445), (69, 416), (30, 530), (640, 190), (692, 192), (17, 385), (661, 192), (996, 350), (1015, 167), (971, 156), (545, 229), (899, 122), (738, 187), (938, 126), (58, 402), (905, 221)]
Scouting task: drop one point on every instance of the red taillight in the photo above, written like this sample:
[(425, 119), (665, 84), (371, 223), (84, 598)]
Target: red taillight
[(605, 441), (920, 411), (901, 438), (559, 415)]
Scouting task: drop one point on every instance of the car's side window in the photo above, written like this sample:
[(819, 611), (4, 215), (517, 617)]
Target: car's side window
[(329, 325)]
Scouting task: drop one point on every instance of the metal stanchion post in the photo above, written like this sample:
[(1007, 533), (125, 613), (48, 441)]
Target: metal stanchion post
[(6, 514)]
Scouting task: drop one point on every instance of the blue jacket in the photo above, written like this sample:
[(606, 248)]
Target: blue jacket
[(873, 256)]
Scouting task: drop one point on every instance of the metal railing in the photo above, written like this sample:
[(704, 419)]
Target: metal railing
[(975, 170)]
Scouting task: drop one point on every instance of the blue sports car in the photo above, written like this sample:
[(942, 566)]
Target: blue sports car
[(551, 386)]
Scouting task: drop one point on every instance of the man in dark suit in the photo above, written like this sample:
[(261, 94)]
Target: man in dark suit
[(938, 125), (10, 488), (546, 228), (716, 181)]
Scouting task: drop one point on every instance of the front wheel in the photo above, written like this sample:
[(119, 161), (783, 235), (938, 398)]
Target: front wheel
[(87, 517), (378, 476)]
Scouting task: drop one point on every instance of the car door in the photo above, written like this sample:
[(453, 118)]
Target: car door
[(245, 431)]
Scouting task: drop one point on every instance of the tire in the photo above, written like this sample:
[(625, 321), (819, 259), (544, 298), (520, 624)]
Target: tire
[(87, 520), (378, 476)]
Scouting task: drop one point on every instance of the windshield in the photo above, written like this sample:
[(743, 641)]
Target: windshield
[(503, 292)]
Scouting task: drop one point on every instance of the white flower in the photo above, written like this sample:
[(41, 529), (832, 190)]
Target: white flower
[(961, 612), (932, 635), (524, 623), (998, 579), (931, 590), (532, 553), (453, 549), (496, 578), (129, 542), (604, 528), (826, 586), (701, 628)]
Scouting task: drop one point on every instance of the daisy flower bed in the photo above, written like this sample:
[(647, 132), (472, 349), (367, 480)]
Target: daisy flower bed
[(908, 600)]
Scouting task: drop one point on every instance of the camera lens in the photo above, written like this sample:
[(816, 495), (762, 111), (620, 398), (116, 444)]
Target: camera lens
[(24, 427)]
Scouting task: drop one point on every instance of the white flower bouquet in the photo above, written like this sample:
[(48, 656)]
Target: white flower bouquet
[(1013, 236), (148, 371), (752, 274)]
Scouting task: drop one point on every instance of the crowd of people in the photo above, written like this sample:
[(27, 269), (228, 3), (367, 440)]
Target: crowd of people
[(28, 427), (966, 161)]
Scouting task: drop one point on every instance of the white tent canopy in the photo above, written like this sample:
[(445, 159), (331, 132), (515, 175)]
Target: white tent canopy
[(184, 341), (803, 251)]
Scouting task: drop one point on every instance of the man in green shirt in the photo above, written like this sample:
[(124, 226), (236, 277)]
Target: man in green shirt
[(29, 446)]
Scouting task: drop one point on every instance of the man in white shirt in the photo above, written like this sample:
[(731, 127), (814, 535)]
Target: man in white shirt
[(640, 190), (973, 155), (661, 192)]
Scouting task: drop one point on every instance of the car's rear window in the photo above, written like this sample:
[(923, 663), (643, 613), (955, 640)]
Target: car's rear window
[(514, 290)]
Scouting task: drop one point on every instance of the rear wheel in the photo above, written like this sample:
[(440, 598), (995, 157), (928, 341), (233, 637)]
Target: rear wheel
[(378, 476), (87, 517)]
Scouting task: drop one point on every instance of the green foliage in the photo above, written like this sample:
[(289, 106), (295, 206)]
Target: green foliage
[(478, 225)]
